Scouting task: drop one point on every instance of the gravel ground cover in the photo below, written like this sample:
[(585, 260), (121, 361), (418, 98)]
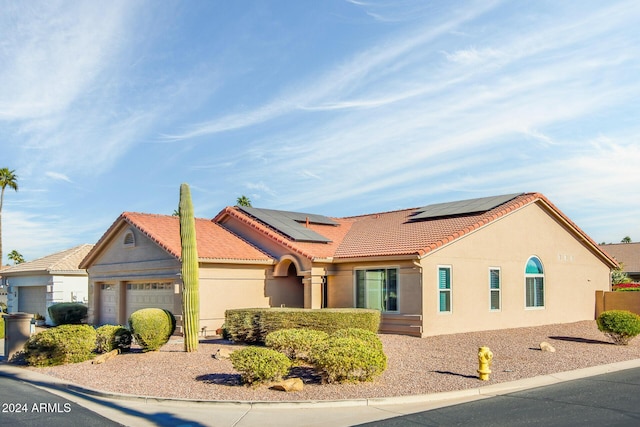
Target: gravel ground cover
[(415, 366)]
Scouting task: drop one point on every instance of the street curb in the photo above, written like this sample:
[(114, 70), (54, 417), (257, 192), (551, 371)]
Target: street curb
[(8, 370)]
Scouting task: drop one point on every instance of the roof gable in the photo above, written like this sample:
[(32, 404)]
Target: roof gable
[(215, 243)]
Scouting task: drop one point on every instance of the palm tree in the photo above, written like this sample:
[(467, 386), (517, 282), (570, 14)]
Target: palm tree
[(243, 201), (8, 178), (16, 257)]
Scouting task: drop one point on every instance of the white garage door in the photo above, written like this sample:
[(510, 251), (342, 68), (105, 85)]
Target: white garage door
[(149, 295), (32, 299), (108, 308)]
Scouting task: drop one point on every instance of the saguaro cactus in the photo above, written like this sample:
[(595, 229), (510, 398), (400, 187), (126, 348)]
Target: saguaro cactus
[(190, 292)]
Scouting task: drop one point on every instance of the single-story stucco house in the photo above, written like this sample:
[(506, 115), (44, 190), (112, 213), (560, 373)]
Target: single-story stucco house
[(489, 263), (628, 256), (35, 285)]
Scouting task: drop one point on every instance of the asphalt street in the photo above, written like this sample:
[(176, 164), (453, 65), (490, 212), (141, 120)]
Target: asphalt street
[(605, 400), (23, 404)]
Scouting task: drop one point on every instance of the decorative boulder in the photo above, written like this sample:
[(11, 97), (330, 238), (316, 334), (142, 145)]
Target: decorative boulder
[(222, 353), (545, 346), (288, 385)]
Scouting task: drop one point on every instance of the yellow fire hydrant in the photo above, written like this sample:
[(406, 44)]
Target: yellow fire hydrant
[(484, 361)]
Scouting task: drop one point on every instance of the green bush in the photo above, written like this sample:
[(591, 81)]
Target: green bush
[(152, 327), (363, 335), (619, 325), (61, 345), (68, 313), (348, 360), (295, 343), (111, 337), (254, 324), (259, 364)]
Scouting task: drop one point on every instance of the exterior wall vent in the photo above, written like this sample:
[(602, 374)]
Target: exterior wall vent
[(129, 240)]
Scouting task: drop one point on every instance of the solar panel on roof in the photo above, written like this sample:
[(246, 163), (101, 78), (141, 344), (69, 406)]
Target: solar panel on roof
[(290, 223), (462, 207)]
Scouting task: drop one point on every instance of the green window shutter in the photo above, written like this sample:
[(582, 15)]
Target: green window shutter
[(444, 278)]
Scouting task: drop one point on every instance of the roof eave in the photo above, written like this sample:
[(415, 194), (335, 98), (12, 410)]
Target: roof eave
[(377, 258), (237, 261)]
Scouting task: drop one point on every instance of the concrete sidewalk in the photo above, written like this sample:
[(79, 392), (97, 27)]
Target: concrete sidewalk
[(146, 411)]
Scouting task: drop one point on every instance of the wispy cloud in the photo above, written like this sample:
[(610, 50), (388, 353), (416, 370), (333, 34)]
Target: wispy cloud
[(58, 176), (327, 91), (434, 122)]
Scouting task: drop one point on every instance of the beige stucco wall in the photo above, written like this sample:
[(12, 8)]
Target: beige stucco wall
[(572, 275), (225, 286), (341, 290), (222, 285)]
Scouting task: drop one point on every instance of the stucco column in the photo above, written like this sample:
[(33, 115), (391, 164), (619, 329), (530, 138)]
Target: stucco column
[(121, 302), (312, 291), (93, 312)]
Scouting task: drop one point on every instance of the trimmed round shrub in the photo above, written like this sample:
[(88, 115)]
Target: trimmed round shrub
[(152, 327), (61, 345), (68, 313), (295, 343), (111, 337), (348, 360), (619, 325), (259, 364), (368, 337)]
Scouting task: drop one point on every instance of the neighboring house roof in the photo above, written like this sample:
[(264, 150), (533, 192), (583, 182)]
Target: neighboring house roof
[(63, 262), (214, 242), (408, 232), (627, 254)]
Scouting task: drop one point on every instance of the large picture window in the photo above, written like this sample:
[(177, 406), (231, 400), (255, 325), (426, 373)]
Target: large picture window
[(444, 289), (534, 283), (377, 289)]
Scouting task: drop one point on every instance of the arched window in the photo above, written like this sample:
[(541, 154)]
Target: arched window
[(534, 283)]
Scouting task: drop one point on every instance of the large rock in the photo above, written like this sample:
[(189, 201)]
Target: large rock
[(288, 385), (222, 353), (545, 346), (104, 357)]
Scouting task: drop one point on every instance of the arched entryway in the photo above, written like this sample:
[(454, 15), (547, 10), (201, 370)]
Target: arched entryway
[(286, 287)]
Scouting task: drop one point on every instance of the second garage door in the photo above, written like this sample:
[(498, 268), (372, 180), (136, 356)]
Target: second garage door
[(32, 299), (149, 295)]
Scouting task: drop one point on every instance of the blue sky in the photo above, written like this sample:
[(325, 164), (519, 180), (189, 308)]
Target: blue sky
[(334, 107)]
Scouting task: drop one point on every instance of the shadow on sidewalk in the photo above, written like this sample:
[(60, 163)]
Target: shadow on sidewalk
[(158, 418)]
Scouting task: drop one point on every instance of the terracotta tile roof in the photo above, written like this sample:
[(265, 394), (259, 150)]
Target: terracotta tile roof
[(214, 241), (626, 253), (395, 234), (66, 261)]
